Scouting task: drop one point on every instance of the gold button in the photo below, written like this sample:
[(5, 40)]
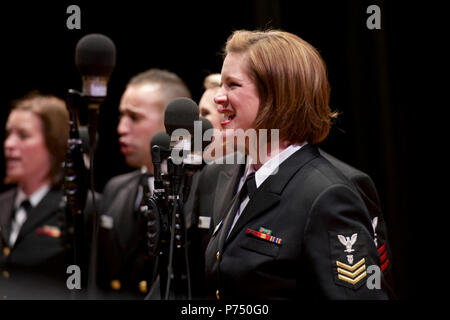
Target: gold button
[(217, 295), (143, 286), (115, 284), (5, 274), (6, 251), (218, 256)]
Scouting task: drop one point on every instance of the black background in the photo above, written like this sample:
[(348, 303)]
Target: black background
[(369, 72)]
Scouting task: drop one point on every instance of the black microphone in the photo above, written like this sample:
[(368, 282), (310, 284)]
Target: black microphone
[(180, 114), (194, 161), (160, 150), (179, 118), (206, 125), (160, 142), (197, 142), (95, 59)]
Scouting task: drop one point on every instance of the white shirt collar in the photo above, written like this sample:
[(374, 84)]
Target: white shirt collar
[(271, 166), (34, 198)]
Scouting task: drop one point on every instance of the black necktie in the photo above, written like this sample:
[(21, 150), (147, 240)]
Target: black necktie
[(26, 205), (19, 220), (250, 183), (248, 189)]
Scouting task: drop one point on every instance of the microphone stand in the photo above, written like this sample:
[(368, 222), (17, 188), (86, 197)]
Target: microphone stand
[(75, 187), (156, 211), (166, 243), (178, 258), (75, 191), (93, 104)]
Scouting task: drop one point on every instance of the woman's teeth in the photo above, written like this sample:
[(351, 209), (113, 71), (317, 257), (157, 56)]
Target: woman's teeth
[(227, 118)]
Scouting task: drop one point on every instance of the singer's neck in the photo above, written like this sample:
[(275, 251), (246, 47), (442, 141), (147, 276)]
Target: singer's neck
[(149, 167), (271, 152), (31, 185)]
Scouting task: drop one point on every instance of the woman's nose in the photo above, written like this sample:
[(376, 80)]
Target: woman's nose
[(220, 98)]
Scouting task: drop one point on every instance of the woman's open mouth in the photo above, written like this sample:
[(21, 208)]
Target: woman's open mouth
[(227, 118)]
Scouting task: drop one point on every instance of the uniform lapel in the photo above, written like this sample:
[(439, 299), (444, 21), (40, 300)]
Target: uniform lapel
[(225, 203), (225, 189), (7, 211), (45, 209), (126, 210), (228, 220), (269, 193)]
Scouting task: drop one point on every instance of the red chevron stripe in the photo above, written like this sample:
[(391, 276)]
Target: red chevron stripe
[(383, 257), (384, 265), (382, 248)]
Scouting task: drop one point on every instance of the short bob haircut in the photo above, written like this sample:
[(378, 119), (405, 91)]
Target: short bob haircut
[(54, 117), (292, 83)]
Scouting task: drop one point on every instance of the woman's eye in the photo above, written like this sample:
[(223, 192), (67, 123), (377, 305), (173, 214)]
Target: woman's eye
[(23, 135)]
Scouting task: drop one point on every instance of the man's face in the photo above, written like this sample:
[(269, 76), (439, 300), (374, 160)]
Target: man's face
[(141, 116)]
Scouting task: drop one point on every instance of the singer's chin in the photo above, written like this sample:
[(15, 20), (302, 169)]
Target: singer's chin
[(131, 160)]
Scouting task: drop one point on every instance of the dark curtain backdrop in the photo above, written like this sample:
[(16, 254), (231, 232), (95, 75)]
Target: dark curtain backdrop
[(367, 71)]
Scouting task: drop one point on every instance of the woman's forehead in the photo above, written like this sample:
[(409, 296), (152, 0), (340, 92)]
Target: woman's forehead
[(23, 119)]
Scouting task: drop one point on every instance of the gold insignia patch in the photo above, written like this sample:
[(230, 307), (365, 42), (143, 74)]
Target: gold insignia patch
[(349, 259), (348, 274)]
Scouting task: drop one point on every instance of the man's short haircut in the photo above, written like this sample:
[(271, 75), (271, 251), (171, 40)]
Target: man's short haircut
[(171, 84), (212, 81)]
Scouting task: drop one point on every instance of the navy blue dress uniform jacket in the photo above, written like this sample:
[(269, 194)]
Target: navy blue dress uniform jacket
[(35, 267), (306, 233), (123, 266)]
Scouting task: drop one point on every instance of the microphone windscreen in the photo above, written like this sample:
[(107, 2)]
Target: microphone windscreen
[(95, 55), (180, 114), (206, 125), (160, 139)]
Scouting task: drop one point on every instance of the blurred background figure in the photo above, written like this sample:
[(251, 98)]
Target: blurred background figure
[(32, 256), (124, 269), (207, 106)]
